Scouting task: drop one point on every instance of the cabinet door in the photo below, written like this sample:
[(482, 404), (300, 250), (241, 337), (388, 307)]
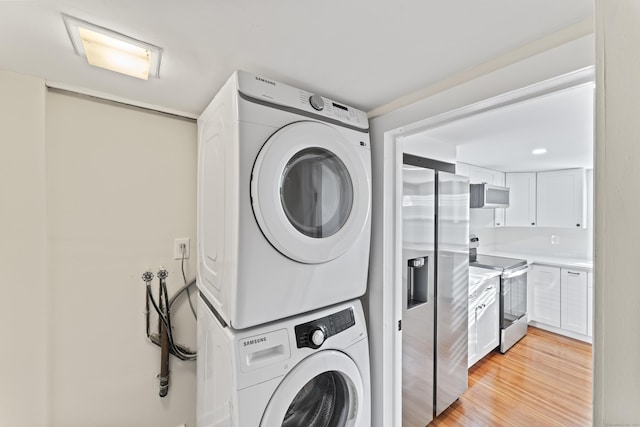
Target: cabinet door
[(574, 301), (473, 335), (522, 200), (487, 320), (544, 284), (498, 215), (562, 198)]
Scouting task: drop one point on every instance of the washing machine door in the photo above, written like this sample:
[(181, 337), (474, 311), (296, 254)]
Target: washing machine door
[(310, 191), (324, 390)]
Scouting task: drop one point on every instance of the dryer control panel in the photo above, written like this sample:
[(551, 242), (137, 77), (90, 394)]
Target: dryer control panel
[(303, 102), (313, 334)]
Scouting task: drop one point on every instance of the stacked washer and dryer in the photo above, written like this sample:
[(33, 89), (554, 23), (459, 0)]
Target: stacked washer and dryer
[(284, 218)]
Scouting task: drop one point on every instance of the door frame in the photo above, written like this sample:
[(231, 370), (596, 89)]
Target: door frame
[(391, 227)]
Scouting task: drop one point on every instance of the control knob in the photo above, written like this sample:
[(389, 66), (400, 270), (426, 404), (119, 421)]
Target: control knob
[(317, 337), (316, 102)]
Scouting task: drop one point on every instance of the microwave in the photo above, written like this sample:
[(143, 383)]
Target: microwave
[(488, 196)]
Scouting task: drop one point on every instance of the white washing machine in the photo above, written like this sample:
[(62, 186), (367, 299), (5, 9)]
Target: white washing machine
[(309, 370), (284, 201)]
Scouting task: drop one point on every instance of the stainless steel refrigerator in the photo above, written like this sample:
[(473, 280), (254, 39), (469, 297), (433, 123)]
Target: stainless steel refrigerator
[(435, 232)]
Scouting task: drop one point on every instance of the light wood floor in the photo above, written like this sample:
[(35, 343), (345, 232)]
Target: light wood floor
[(544, 380)]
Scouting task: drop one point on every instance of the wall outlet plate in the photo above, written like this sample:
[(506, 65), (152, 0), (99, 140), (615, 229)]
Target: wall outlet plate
[(555, 239), (178, 248)]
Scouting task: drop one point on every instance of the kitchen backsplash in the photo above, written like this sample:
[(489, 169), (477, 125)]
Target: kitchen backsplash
[(570, 243)]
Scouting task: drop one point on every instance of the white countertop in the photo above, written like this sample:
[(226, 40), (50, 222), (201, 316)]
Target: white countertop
[(478, 275), (557, 261)]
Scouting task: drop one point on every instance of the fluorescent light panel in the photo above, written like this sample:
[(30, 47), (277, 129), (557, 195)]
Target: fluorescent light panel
[(539, 151), (113, 51)]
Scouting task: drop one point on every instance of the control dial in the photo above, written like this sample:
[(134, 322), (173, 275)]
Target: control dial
[(316, 102), (317, 337)]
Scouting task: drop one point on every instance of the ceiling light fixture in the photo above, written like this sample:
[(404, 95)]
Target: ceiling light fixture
[(113, 51), (539, 151)]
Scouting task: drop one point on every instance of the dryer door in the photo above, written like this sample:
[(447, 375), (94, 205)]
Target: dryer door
[(324, 390), (311, 192)]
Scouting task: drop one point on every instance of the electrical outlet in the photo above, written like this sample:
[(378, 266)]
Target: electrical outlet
[(181, 248), (555, 239)]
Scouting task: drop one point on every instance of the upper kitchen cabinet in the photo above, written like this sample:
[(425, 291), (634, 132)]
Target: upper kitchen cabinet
[(522, 200), (547, 199), (562, 198), (499, 214), (478, 175)]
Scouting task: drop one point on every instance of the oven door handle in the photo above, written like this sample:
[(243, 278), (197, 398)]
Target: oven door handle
[(516, 273)]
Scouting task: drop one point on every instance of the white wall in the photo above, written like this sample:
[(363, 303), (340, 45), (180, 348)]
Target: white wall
[(92, 194), (23, 278), (617, 291), (121, 185), (385, 340)]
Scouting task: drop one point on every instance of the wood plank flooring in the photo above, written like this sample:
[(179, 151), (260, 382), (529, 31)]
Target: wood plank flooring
[(544, 380)]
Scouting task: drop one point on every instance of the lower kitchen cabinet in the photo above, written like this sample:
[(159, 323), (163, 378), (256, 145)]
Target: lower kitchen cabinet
[(484, 319), (559, 300), (544, 286), (573, 300)]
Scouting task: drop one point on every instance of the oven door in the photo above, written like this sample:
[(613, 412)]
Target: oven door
[(513, 307), (513, 295)]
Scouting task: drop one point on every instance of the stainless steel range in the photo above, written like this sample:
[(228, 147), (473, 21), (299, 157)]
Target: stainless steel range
[(513, 296)]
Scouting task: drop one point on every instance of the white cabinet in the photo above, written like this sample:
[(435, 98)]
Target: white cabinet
[(473, 330), (547, 199), (482, 218), (484, 319), (573, 301), (498, 214), (544, 289), (487, 318), (561, 198), (560, 300), (522, 200)]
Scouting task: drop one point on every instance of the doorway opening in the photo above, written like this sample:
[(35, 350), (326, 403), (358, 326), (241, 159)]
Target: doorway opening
[(538, 142)]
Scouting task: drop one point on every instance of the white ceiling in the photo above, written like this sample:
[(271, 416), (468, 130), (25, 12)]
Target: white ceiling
[(502, 139), (365, 53)]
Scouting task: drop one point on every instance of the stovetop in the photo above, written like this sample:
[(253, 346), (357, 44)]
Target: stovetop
[(497, 262)]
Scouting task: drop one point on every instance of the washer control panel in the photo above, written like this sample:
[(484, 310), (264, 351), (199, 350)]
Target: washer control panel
[(313, 334)]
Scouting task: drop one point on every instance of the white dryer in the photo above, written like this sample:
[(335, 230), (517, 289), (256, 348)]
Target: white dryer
[(309, 370), (284, 201)]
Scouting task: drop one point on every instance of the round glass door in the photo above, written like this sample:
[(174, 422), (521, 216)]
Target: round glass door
[(324, 390), (316, 192), (310, 191), (322, 402)]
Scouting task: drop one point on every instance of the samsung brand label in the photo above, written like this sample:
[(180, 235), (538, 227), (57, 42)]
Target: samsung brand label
[(254, 341), (269, 82)]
